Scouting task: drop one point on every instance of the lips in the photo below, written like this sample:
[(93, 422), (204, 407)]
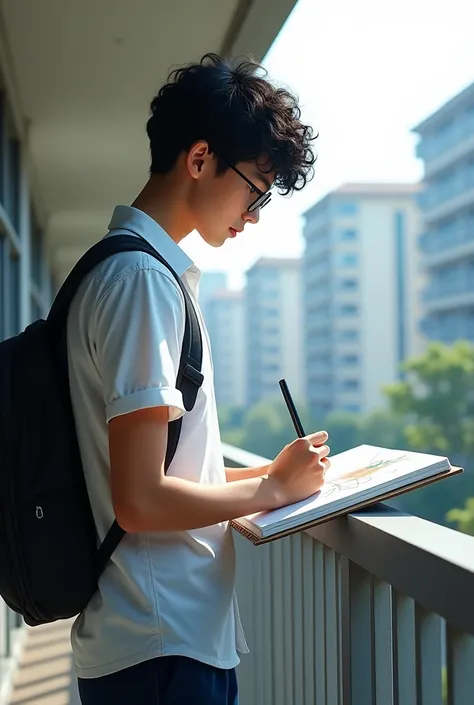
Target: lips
[(233, 232)]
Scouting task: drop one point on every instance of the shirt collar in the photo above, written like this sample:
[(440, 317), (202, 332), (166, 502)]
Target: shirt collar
[(138, 222)]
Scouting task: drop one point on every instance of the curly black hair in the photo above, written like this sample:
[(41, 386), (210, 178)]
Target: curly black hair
[(239, 113)]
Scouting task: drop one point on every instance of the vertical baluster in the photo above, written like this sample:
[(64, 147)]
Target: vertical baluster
[(260, 641), (344, 631), (278, 611), (428, 637), (383, 643), (245, 592), (332, 646), (309, 584), (320, 625), (362, 673), (405, 680), (460, 650), (297, 610), (287, 621), (266, 597)]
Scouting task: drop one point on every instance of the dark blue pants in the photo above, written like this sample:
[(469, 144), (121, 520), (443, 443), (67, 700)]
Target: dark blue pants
[(168, 680)]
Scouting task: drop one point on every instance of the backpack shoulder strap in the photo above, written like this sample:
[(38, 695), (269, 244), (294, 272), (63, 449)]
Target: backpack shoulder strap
[(189, 377)]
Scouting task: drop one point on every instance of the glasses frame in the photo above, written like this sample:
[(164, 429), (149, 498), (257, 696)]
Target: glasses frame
[(263, 198)]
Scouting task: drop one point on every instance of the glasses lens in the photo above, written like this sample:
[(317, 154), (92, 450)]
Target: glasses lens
[(260, 202)]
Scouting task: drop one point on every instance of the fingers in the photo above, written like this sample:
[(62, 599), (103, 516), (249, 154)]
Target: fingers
[(317, 438), (322, 452)]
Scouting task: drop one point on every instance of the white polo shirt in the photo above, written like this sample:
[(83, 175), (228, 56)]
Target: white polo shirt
[(163, 593)]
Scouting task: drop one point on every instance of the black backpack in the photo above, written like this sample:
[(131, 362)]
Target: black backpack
[(50, 561)]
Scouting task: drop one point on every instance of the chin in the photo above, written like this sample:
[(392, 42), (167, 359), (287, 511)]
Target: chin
[(214, 241)]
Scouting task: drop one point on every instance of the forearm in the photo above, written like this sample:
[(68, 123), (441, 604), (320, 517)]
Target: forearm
[(174, 504), (233, 474)]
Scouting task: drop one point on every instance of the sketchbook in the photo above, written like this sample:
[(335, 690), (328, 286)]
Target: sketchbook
[(356, 478)]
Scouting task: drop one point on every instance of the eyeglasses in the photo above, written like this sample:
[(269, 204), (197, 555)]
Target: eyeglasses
[(263, 197)]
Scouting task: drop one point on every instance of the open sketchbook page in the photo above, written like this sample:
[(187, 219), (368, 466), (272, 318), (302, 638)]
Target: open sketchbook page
[(360, 471)]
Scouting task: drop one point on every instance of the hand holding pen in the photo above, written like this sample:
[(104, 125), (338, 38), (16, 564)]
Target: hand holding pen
[(298, 471)]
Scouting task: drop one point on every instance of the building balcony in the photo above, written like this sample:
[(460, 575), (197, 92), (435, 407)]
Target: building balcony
[(454, 292), (449, 244), (440, 200), (374, 607), (448, 328), (440, 152)]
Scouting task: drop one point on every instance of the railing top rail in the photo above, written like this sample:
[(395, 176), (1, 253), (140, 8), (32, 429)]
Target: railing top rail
[(430, 563)]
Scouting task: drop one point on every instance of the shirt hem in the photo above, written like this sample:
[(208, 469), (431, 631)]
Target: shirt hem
[(135, 659)]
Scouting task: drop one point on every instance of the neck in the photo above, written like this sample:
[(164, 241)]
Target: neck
[(164, 199)]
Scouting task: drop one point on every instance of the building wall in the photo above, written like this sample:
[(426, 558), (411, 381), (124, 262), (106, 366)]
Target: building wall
[(209, 285), (447, 202), (227, 333), (361, 290), (273, 315)]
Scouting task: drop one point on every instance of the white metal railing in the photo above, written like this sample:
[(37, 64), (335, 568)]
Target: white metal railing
[(12, 633), (371, 609)]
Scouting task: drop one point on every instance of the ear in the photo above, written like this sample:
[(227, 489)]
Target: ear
[(197, 159)]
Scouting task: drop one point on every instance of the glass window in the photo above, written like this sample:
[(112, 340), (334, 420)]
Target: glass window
[(350, 359), (348, 259), (349, 385), (348, 235), (351, 408), (3, 293), (14, 294), (349, 335), (349, 309), (346, 208), (36, 252), (348, 284), (2, 146), (36, 311)]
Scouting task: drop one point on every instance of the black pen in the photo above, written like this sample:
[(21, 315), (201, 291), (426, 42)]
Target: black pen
[(291, 408)]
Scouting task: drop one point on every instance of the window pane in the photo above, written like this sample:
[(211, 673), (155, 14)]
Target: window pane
[(14, 296), (3, 293), (2, 146), (36, 311), (36, 251)]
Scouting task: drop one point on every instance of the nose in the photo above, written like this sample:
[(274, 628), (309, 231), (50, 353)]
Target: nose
[(252, 216)]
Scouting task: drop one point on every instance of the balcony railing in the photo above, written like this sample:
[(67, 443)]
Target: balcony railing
[(447, 238), (432, 147), (370, 609), (457, 282), (439, 198), (449, 328)]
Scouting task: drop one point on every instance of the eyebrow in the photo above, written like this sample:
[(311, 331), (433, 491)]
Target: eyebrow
[(263, 179)]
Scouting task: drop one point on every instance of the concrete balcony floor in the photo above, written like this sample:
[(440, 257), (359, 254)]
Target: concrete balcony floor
[(45, 675)]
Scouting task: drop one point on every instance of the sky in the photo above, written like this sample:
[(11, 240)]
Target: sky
[(366, 73)]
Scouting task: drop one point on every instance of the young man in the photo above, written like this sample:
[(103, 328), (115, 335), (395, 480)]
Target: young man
[(164, 625)]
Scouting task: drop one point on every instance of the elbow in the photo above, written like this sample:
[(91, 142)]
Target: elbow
[(140, 515), (127, 517)]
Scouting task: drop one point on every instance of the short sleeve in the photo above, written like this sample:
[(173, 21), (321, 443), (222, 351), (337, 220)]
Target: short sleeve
[(139, 329)]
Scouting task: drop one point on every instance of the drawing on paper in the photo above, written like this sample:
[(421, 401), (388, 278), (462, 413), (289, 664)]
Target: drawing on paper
[(353, 479)]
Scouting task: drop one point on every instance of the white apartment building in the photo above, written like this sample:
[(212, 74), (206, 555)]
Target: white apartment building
[(209, 284), (361, 291), (447, 203), (274, 316), (226, 326)]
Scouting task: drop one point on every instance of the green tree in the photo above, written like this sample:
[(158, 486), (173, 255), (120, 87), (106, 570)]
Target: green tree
[(463, 518), (343, 429), (382, 428), (437, 399)]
